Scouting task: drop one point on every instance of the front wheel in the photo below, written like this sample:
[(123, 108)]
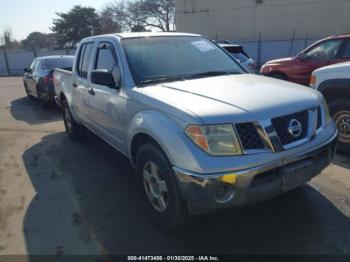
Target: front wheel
[(158, 187), (75, 131), (340, 111)]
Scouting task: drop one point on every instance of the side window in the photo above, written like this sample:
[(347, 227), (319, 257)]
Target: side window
[(106, 59), (32, 66), (325, 51), (36, 66), (84, 59), (346, 51), (80, 57)]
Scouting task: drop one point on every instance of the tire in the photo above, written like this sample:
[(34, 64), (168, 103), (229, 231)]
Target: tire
[(279, 76), (74, 131), (340, 112), (42, 102), (171, 212)]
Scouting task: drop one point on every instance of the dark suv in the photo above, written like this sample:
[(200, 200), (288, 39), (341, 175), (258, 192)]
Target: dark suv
[(331, 50), (38, 79)]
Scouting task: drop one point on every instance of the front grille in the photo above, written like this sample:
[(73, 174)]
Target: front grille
[(319, 117), (249, 136), (281, 125)]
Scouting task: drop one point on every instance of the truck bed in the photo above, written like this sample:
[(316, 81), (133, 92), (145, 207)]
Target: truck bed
[(62, 80)]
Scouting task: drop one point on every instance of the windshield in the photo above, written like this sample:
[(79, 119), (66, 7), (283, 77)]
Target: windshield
[(171, 58), (62, 63)]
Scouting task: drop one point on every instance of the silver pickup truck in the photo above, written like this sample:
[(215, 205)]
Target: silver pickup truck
[(201, 132)]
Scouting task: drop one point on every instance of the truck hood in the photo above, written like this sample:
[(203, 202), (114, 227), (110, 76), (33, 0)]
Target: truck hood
[(232, 98)]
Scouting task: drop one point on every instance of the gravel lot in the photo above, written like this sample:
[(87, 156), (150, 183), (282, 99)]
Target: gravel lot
[(59, 197)]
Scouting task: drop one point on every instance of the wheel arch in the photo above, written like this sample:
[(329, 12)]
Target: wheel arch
[(335, 89), (165, 133)]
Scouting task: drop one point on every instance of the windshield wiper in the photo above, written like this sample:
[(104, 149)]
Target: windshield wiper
[(162, 79), (211, 73)]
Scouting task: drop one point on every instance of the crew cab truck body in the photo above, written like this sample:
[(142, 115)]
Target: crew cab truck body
[(201, 132), (334, 83)]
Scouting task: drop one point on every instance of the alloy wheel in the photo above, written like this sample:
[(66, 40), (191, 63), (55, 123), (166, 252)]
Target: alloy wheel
[(155, 186)]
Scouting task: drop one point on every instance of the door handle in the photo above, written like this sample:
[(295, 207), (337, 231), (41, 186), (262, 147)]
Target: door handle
[(74, 85), (91, 92)]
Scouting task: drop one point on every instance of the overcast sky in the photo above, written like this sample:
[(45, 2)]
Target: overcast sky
[(26, 16)]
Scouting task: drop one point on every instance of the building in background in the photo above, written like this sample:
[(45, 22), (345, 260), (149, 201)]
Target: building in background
[(273, 19), (267, 29)]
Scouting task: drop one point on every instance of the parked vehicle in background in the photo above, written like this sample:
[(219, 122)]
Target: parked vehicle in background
[(334, 83), (201, 132), (240, 55), (331, 50), (38, 79)]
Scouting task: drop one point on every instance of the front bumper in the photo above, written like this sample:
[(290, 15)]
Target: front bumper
[(206, 193)]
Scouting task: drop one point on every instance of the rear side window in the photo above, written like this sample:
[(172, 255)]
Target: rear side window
[(346, 51), (84, 59)]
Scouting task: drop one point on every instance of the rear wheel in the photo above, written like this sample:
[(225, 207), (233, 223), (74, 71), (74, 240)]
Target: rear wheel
[(158, 187), (340, 111), (75, 131), (42, 102)]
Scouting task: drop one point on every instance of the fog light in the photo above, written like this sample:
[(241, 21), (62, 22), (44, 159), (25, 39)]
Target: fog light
[(224, 193)]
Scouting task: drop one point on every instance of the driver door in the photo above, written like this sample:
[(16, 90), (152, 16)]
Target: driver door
[(107, 105)]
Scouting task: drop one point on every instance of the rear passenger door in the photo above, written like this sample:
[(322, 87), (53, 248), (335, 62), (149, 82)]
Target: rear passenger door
[(107, 105), (80, 85)]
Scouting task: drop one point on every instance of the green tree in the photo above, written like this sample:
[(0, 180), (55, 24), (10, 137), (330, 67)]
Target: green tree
[(108, 22), (143, 14), (78, 23), (6, 40), (37, 40)]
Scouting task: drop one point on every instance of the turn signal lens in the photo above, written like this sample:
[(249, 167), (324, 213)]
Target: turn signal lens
[(195, 133), (312, 81)]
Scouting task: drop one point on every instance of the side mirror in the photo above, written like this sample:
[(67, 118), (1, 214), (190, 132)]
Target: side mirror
[(103, 77), (26, 70)]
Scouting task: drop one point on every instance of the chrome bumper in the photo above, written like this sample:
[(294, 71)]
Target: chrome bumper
[(209, 192)]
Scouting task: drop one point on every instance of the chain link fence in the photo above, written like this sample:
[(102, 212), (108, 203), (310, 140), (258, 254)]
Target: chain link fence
[(14, 62)]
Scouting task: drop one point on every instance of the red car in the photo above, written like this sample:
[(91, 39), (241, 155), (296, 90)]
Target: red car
[(331, 50)]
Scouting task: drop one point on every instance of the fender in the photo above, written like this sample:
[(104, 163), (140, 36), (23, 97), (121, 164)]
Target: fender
[(334, 83), (168, 134)]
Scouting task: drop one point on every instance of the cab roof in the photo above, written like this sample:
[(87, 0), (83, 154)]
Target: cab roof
[(152, 34), (141, 34)]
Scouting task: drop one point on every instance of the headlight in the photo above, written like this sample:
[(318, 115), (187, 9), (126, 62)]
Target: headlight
[(328, 117), (216, 140)]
